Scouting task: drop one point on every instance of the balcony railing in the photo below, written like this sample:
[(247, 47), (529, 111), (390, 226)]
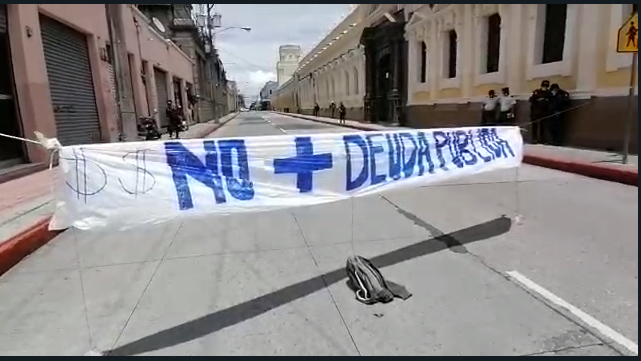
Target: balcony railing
[(184, 23)]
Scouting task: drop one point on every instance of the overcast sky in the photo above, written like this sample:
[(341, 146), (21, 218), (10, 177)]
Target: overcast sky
[(250, 57)]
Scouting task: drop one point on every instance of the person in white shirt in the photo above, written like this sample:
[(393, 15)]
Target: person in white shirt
[(506, 107), (489, 114)]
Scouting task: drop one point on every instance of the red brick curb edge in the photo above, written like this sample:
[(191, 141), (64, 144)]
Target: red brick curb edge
[(603, 172), (16, 248), (19, 246)]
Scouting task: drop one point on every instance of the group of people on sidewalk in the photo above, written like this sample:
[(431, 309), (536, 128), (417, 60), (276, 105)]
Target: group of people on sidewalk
[(548, 105), (175, 117), (342, 111), (498, 110)]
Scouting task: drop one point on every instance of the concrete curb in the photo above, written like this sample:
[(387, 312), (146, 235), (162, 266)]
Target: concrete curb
[(21, 245), (603, 172), (210, 128)]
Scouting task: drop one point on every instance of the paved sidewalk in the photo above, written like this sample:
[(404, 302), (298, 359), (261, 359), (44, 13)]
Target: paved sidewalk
[(200, 130), (26, 206), (589, 163)]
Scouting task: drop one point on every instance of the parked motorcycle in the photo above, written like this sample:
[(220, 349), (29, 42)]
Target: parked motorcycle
[(148, 127)]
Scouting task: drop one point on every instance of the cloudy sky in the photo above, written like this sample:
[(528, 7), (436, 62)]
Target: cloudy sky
[(250, 57)]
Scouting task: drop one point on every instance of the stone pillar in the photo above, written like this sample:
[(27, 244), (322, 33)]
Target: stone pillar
[(31, 82), (369, 80), (185, 101), (116, 19), (586, 80)]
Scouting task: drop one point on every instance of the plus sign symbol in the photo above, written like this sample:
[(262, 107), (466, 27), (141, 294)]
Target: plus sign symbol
[(304, 164)]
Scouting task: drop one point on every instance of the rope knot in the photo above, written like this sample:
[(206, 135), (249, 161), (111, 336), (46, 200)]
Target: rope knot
[(50, 144)]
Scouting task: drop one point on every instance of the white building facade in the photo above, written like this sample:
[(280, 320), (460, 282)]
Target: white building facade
[(288, 58), (456, 53), (268, 90)]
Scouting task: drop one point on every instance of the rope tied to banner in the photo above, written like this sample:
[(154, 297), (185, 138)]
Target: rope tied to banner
[(51, 145)]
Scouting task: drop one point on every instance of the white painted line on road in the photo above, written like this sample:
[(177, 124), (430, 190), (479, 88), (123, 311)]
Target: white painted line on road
[(591, 321), (276, 126)]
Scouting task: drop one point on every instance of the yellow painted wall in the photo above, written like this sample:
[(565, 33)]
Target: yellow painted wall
[(421, 96), (448, 93), (482, 90), (565, 82), (615, 79)]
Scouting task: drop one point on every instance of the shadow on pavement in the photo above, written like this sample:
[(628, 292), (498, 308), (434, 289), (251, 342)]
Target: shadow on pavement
[(218, 320)]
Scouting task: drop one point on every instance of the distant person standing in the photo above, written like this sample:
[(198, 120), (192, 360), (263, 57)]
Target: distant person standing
[(169, 114), (488, 114), (506, 107), (316, 109), (342, 112), (558, 103), (539, 111), (332, 109), (174, 119)]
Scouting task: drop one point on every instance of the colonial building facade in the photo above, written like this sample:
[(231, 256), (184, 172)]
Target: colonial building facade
[(57, 67), (430, 65)]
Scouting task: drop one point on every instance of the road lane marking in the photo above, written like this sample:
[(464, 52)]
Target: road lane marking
[(591, 321), (275, 126)]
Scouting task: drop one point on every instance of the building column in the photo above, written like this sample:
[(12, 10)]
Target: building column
[(435, 56), (140, 100), (413, 64), (515, 47), (185, 101), (30, 74), (467, 49), (117, 15), (169, 80), (586, 80), (152, 93)]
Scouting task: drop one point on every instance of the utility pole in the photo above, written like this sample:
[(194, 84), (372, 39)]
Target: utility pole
[(124, 92)]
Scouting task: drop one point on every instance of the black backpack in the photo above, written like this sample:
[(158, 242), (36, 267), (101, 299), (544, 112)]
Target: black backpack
[(368, 283)]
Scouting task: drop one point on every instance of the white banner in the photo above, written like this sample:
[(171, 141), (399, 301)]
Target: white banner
[(127, 184)]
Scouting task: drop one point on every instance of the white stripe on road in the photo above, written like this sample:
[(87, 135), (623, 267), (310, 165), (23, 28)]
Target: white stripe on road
[(276, 126), (591, 321)]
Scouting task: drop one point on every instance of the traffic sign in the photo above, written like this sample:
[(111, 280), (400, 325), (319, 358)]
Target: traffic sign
[(628, 36)]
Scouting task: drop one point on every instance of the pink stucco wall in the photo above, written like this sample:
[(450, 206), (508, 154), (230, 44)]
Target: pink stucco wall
[(30, 73), (143, 42)]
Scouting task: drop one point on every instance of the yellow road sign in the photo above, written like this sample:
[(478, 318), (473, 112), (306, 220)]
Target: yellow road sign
[(628, 37)]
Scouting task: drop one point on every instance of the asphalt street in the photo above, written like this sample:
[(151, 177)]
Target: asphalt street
[(521, 262)]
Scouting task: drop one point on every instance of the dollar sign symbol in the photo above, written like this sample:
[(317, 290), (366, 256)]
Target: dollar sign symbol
[(87, 182), (144, 179)]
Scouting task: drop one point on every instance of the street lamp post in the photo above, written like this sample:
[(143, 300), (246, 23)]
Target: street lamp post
[(210, 38)]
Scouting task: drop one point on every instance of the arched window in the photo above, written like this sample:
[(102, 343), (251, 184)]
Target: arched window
[(355, 74), (347, 83), (423, 63)]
